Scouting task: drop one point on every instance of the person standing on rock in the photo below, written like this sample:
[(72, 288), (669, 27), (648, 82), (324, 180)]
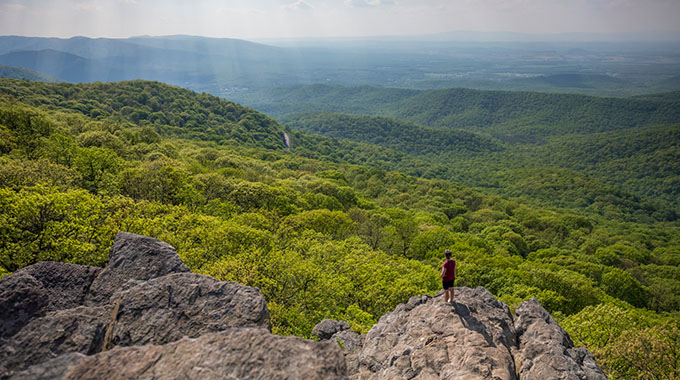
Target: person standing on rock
[(448, 275)]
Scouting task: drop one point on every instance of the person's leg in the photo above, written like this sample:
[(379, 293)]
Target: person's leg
[(452, 293)]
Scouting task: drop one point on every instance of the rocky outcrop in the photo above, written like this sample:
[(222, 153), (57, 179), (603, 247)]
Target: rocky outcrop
[(474, 338), (146, 316), (144, 296), (546, 352), (427, 338), (67, 285), (134, 259), (229, 354)]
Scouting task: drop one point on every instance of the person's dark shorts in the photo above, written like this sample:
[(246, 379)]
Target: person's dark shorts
[(447, 284)]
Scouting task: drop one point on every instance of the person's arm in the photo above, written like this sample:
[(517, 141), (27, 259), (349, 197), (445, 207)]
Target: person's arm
[(443, 272)]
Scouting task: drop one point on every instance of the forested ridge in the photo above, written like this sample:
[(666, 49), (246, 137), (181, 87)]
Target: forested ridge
[(320, 235), (613, 157), (180, 112), (391, 133), (509, 114)]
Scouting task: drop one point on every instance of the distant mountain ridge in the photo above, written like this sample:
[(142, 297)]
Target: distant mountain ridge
[(228, 67), (568, 37), (15, 72), (116, 47), (179, 60), (66, 66)]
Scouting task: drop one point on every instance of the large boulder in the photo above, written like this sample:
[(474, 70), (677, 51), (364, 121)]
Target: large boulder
[(155, 300), (67, 284), (326, 328), (231, 354), (73, 330), (428, 338), (168, 308), (22, 298), (476, 337), (546, 351), (132, 259), (157, 311)]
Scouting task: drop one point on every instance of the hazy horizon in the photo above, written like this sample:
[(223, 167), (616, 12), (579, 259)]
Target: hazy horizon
[(272, 19)]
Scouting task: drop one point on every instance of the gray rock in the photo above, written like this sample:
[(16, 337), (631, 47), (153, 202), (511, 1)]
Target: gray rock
[(428, 338), (474, 338), (231, 354), (158, 311), (73, 330), (350, 341), (351, 344), (51, 369), (326, 328), (546, 351), (66, 284), (22, 298), (133, 258), (168, 308)]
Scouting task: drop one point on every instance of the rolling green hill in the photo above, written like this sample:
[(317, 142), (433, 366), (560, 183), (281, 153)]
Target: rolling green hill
[(506, 115), (610, 155), (527, 115), (175, 111), (394, 134), (367, 100)]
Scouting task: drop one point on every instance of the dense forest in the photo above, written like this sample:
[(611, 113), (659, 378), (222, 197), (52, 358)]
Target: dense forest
[(514, 114), (614, 157), (322, 228)]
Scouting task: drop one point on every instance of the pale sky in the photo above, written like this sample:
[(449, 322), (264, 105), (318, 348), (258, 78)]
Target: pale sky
[(252, 19)]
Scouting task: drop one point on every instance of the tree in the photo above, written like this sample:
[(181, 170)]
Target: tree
[(98, 168), (622, 285), (650, 353)]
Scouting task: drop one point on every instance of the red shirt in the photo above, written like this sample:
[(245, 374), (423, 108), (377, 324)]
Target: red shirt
[(449, 270)]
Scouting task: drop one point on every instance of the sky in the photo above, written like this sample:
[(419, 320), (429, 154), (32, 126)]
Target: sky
[(258, 19)]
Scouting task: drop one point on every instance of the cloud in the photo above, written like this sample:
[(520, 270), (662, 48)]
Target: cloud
[(14, 7), (87, 6), (368, 3), (299, 5)]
